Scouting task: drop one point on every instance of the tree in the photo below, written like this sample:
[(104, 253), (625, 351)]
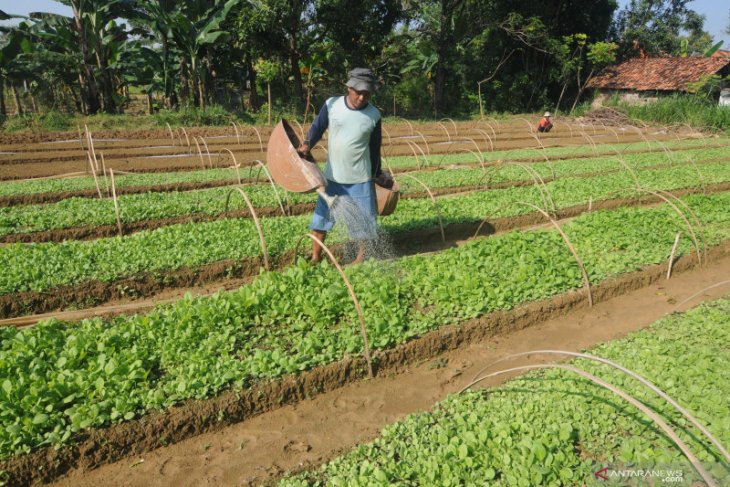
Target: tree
[(655, 26)]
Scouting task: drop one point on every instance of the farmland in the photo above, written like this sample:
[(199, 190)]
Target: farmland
[(497, 231)]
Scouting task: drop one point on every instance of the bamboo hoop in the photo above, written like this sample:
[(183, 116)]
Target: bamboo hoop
[(670, 264), (103, 168), (717, 284), (448, 135), (390, 142), (358, 309), (271, 180), (301, 129), (570, 246), (116, 203), (626, 371), (255, 217), (200, 152), (238, 136), (187, 139), (683, 217), (487, 138), (428, 149), (418, 162), (433, 199), (210, 160), (235, 165), (81, 137), (172, 136), (619, 392), (698, 223), (258, 134)]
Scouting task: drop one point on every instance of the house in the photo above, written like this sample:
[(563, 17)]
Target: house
[(640, 80)]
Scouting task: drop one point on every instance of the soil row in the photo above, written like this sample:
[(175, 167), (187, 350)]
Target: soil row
[(93, 293), (97, 447), (162, 135)]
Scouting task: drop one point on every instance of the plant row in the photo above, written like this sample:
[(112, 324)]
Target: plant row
[(61, 378), (77, 212), (43, 266), (36, 186), (554, 427)]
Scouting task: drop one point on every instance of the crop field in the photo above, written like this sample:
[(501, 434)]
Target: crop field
[(149, 311)]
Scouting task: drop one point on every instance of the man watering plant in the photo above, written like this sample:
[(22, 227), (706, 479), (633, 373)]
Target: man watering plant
[(353, 158)]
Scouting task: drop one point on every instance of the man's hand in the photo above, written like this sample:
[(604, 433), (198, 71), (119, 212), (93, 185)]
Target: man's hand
[(303, 150), (385, 180)]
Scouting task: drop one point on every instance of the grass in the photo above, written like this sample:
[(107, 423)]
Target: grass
[(698, 112)]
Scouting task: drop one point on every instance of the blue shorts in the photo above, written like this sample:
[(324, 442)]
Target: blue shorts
[(363, 195)]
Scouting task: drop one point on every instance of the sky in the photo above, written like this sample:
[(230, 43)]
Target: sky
[(716, 13)]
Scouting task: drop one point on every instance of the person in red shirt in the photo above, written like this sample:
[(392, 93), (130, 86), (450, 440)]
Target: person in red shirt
[(545, 124)]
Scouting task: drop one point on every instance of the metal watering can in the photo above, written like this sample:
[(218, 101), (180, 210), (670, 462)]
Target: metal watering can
[(299, 175)]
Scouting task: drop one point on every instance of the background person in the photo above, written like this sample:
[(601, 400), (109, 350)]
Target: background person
[(353, 157), (545, 124)]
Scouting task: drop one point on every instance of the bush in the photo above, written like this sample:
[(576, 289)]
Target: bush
[(51, 121), (696, 111), (188, 116)]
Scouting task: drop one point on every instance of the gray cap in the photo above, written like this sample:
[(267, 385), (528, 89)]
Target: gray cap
[(362, 79)]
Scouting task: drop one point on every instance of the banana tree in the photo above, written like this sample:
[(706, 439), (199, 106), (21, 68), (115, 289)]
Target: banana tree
[(195, 26)]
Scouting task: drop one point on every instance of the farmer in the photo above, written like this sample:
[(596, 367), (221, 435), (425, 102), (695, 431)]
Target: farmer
[(353, 157), (545, 124)]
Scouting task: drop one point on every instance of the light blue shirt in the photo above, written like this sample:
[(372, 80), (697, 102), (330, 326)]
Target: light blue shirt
[(348, 152)]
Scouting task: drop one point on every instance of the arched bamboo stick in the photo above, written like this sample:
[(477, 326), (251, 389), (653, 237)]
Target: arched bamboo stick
[(172, 136), (683, 217), (116, 203), (619, 392), (448, 135), (698, 223), (570, 246), (200, 152), (271, 180), (210, 160), (456, 129), (670, 263), (717, 284), (363, 330), (235, 165), (428, 149), (433, 199), (255, 217), (238, 136), (187, 139), (626, 371)]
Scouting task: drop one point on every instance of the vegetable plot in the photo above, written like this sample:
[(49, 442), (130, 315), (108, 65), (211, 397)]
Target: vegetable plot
[(556, 428), (60, 378)]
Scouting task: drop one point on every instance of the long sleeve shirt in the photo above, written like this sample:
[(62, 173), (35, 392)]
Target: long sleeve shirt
[(355, 138)]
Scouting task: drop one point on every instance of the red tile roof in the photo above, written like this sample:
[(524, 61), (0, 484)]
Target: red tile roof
[(661, 73)]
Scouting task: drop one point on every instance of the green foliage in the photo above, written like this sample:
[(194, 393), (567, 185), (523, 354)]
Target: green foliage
[(51, 121), (189, 115), (553, 427), (679, 109), (68, 377)]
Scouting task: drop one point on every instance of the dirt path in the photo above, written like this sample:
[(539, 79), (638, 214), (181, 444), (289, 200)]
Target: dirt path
[(312, 431)]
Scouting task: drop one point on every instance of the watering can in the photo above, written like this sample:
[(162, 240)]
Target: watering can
[(299, 175)]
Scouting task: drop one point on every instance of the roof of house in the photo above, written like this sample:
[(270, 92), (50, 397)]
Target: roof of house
[(658, 74)]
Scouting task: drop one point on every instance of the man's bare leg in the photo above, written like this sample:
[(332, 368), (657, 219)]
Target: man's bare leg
[(316, 247)]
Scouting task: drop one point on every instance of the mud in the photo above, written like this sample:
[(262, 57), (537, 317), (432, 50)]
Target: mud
[(101, 446)]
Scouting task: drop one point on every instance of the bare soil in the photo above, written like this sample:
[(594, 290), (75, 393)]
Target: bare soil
[(300, 421), (23, 156)]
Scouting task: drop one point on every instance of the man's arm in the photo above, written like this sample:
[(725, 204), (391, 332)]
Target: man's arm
[(376, 140), (316, 131)]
